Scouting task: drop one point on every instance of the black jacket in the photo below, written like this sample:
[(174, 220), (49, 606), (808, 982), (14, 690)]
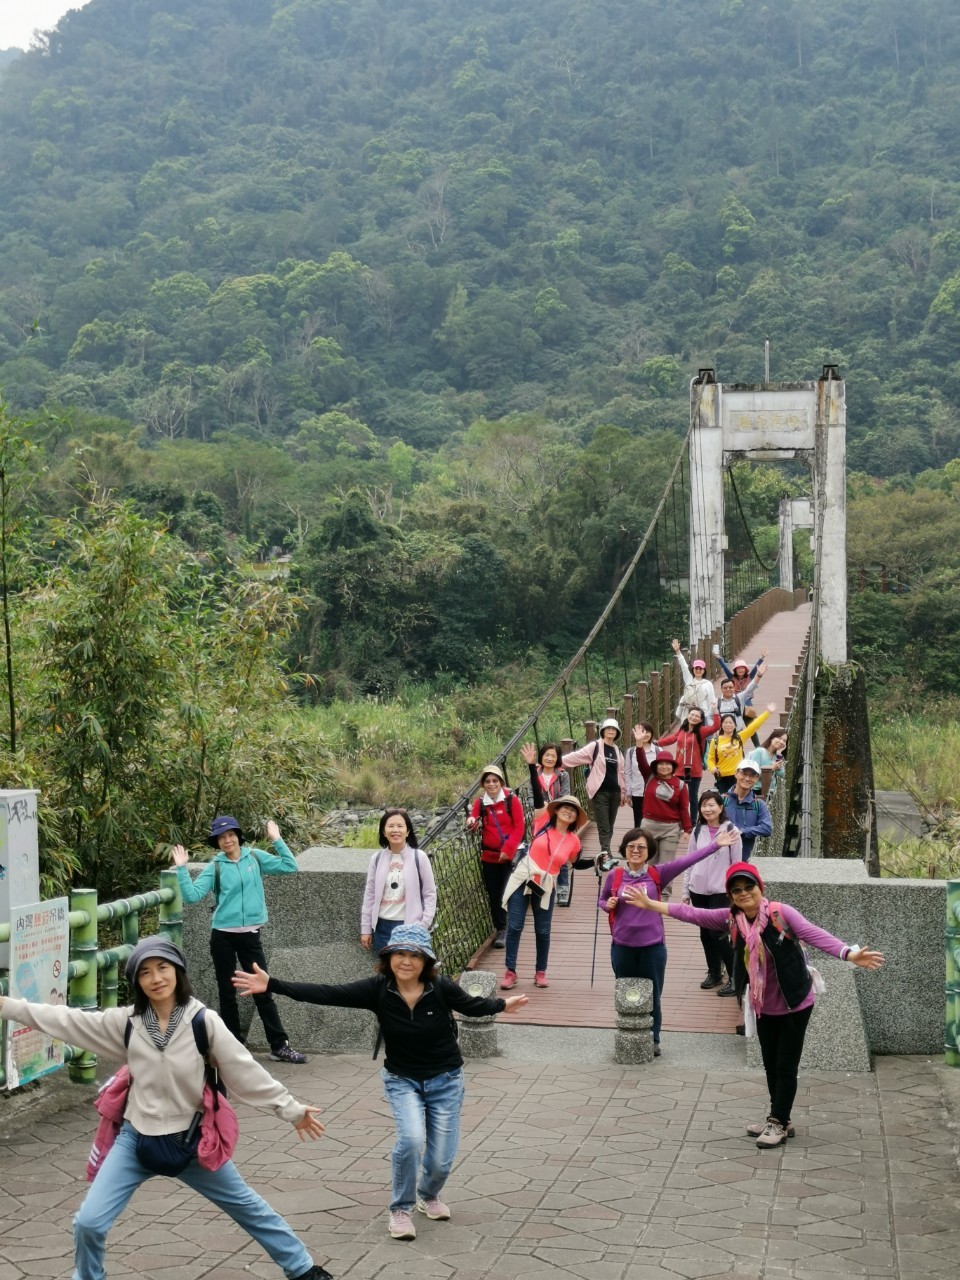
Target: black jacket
[(420, 1042), (789, 963)]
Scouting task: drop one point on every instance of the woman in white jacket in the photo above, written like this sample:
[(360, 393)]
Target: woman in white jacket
[(400, 887), (166, 1092)]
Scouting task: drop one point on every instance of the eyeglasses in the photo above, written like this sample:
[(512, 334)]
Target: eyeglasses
[(636, 847), (737, 890)]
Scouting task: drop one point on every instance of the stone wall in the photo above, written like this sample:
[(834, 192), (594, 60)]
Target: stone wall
[(313, 936), (314, 933), (902, 1004)]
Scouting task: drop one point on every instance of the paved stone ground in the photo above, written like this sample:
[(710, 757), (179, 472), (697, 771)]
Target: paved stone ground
[(585, 1170)]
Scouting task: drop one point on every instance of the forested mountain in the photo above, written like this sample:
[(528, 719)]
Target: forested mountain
[(416, 287), (222, 214)]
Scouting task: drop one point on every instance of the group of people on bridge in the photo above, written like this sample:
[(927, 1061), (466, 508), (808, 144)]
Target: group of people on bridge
[(753, 947)]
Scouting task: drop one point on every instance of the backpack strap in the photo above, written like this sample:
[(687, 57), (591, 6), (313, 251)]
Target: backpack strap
[(127, 1033), (216, 882), (776, 918), (654, 874), (615, 884)]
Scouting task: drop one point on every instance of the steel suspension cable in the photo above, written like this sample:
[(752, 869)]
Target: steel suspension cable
[(770, 568)]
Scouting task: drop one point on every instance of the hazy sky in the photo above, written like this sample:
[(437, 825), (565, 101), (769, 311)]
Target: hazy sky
[(20, 18)]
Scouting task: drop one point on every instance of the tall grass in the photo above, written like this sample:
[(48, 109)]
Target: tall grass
[(916, 748), (426, 746)]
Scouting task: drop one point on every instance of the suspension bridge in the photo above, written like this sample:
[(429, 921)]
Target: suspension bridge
[(700, 573)]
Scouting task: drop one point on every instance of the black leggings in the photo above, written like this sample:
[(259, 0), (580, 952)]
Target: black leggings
[(232, 951), (715, 942), (781, 1044)]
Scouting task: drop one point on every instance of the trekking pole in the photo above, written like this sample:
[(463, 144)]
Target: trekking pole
[(596, 922)]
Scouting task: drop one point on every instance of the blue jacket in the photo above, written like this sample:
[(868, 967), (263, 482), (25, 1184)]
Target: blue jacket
[(751, 817), (241, 884)]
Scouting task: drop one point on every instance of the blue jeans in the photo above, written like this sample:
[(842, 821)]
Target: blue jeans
[(381, 933), (427, 1113), (643, 962), (121, 1174), (516, 916)]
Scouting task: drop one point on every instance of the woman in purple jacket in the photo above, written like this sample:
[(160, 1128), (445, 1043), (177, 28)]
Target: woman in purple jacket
[(768, 956), (637, 948), (400, 887)]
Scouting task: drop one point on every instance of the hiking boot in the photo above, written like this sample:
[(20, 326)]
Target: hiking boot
[(727, 990), (710, 981), (656, 1049), (774, 1134), (509, 979), (606, 862), (286, 1054), (434, 1209), (540, 979), (401, 1225), (500, 941), (755, 1130), (316, 1272)]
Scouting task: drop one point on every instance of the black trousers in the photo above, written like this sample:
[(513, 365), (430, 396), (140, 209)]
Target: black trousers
[(781, 1044), (606, 805), (232, 951), (716, 945), (495, 877), (637, 802)]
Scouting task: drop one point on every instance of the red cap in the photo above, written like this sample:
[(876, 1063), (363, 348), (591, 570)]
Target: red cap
[(745, 871), (664, 757)]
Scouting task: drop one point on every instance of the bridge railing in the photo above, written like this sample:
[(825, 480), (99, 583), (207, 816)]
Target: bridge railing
[(87, 960)]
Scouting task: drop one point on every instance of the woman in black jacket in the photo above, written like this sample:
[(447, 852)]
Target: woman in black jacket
[(423, 1067)]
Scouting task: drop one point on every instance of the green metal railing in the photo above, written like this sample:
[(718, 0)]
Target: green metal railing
[(951, 1045), (87, 960)]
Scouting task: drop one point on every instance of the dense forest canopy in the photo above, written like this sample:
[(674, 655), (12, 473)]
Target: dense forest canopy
[(222, 215), (414, 289)]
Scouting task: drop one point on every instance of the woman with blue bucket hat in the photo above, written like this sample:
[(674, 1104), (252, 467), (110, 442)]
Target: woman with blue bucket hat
[(423, 1067), (235, 878)]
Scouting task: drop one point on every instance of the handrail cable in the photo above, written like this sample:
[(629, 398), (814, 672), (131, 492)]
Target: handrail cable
[(577, 657)]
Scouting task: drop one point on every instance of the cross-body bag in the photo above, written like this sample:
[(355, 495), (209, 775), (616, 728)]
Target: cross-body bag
[(211, 1136)]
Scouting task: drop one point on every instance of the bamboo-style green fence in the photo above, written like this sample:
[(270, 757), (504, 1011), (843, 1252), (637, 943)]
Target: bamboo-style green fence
[(951, 1044), (87, 961)]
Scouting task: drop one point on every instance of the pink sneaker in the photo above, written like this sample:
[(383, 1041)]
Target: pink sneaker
[(540, 979), (509, 980), (434, 1208), (401, 1225)]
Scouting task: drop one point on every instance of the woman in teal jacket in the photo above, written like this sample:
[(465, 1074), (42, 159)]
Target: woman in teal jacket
[(235, 877)]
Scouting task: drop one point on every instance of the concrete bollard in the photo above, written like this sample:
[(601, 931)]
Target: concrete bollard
[(633, 1001), (478, 1036)]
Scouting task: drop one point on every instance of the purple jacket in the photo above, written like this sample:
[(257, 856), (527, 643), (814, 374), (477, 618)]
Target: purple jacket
[(632, 926), (717, 919), (418, 910)]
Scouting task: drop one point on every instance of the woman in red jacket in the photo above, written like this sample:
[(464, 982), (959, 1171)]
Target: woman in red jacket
[(691, 738), (666, 807), (499, 815)]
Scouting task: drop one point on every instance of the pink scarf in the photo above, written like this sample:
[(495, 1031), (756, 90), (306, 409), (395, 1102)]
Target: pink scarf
[(756, 956)]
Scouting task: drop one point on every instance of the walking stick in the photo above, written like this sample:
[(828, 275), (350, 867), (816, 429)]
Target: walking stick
[(596, 922)]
